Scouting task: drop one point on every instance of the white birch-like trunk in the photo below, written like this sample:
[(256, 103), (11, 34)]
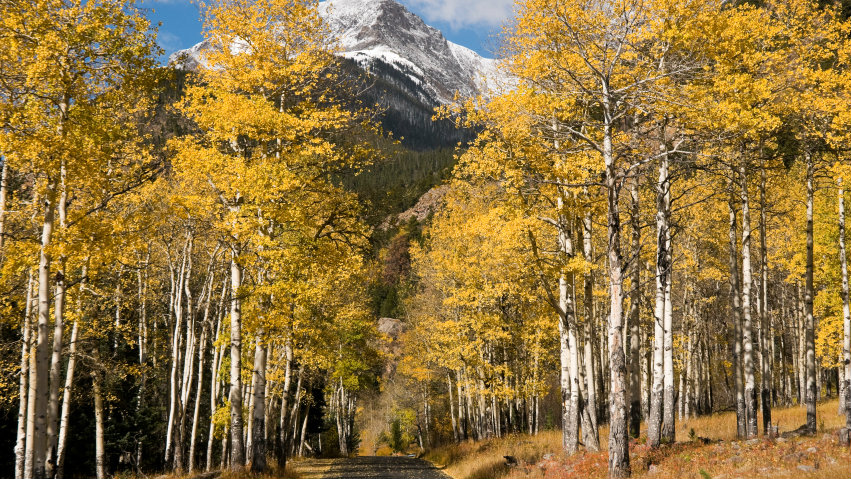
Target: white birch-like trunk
[(4, 191), (58, 333), (303, 439), (573, 424), (216, 384), (618, 428), (588, 325), (635, 382), (202, 347), (142, 334), (455, 434), (66, 404), (188, 355), (751, 424), (176, 308), (36, 438), (100, 449), (26, 330), (767, 346), (689, 359), (462, 417), (236, 432), (285, 397), (669, 408), (809, 320), (657, 406), (568, 347), (258, 441), (214, 398), (846, 310), (69, 381), (735, 306)]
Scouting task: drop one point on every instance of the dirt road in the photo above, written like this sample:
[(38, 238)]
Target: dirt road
[(368, 467)]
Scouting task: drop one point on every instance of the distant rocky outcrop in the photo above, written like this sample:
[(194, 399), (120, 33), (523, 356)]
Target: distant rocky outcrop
[(392, 327), (428, 203)]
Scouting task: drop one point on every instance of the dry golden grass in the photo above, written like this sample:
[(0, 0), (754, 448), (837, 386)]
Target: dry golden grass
[(819, 456), (723, 425)]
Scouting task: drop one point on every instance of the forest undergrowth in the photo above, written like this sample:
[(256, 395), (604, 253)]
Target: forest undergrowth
[(706, 448)]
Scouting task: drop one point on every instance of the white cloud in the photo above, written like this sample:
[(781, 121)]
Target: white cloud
[(169, 41), (465, 13)]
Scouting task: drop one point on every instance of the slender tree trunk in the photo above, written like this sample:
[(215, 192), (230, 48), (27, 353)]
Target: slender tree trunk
[(669, 407), (588, 325), (455, 434), (635, 316), (69, 382), (202, 347), (573, 423), (26, 330), (800, 335), (567, 335), (689, 378), (809, 326), (462, 417), (618, 430), (751, 425), (188, 354), (295, 411), (268, 425), (236, 433), (340, 397), (258, 442), (36, 440), (590, 435), (657, 395), (142, 280), (4, 190), (646, 374), (100, 449), (66, 405), (214, 400), (768, 340), (285, 396), (303, 432), (176, 306), (216, 384), (735, 306), (846, 311), (58, 333)]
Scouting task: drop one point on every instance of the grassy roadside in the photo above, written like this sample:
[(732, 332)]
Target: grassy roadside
[(721, 457)]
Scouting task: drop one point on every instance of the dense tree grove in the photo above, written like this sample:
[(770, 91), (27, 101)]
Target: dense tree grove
[(188, 272), (664, 180), (649, 224)]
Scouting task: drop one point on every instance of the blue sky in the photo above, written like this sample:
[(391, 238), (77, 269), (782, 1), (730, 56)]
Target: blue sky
[(472, 23)]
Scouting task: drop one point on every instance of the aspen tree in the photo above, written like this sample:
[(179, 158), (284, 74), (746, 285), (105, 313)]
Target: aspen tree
[(840, 171), (846, 312), (750, 393), (657, 396), (635, 382), (70, 64), (766, 346)]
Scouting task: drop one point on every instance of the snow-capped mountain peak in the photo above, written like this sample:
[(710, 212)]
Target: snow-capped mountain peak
[(382, 37), (370, 31)]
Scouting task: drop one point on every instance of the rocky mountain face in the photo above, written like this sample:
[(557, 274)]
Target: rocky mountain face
[(411, 66)]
